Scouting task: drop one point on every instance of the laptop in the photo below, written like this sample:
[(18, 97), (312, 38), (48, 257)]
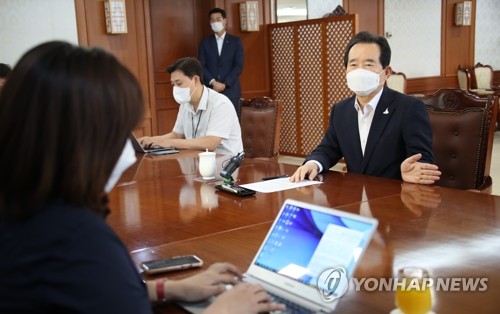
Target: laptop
[(304, 241), (154, 150)]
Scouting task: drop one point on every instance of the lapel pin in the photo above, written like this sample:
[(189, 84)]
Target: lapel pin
[(386, 111)]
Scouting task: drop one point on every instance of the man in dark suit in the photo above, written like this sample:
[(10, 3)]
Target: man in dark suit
[(379, 132), (221, 56)]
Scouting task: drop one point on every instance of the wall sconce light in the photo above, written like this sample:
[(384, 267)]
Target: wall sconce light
[(249, 16), (116, 16), (463, 13)]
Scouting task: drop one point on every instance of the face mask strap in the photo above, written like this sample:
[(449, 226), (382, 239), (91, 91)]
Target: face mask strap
[(191, 94)]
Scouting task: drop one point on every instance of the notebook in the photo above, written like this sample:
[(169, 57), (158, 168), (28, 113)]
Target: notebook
[(155, 150), (304, 241)]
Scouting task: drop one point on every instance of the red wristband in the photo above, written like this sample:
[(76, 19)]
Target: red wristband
[(160, 289)]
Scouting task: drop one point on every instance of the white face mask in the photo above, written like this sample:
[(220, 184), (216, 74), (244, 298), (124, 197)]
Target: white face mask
[(363, 82), (182, 95), (127, 159), (217, 26)]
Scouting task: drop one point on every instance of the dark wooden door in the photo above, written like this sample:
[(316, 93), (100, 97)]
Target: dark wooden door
[(177, 28)]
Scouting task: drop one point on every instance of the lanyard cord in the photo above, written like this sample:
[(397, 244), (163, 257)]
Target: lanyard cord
[(197, 125)]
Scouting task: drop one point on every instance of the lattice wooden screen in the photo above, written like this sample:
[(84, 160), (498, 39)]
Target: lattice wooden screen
[(308, 74)]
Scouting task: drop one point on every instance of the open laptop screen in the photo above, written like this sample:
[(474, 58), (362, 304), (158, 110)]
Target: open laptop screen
[(304, 242), (155, 151)]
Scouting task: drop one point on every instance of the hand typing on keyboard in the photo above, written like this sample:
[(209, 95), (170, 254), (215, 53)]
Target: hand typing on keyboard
[(224, 281), (244, 298), (291, 308)]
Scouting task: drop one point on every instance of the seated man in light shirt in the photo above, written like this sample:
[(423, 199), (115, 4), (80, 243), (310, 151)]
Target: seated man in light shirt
[(206, 119)]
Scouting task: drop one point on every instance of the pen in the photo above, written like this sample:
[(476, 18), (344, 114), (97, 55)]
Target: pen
[(276, 177)]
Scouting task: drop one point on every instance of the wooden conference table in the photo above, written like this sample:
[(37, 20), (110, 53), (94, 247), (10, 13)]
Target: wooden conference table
[(161, 208)]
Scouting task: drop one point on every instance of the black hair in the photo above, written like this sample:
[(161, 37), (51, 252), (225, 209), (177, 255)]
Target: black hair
[(367, 37), (217, 10), (189, 66), (72, 110), (4, 70)]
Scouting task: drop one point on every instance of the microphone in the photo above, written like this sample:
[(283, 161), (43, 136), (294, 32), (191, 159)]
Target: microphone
[(231, 166)]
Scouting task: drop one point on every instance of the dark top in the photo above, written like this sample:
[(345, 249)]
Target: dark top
[(67, 259), (225, 68), (400, 129)]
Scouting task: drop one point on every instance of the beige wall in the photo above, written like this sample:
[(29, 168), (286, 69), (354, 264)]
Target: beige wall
[(25, 23)]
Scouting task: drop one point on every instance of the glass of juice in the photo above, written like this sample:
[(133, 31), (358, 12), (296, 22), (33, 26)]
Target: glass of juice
[(413, 291)]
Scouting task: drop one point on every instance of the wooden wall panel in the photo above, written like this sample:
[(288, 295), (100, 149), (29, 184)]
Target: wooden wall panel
[(496, 78), (255, 78), (178, 27), (371, 14), (176, 30), (161, 31), (129, 48), (458, 40)]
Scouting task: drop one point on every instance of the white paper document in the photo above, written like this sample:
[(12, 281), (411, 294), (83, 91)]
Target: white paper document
[(276, 185)]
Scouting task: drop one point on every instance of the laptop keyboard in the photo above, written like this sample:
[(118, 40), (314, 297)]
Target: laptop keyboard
[(291, 308)]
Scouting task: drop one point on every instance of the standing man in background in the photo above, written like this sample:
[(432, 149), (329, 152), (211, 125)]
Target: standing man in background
[(221, 56)]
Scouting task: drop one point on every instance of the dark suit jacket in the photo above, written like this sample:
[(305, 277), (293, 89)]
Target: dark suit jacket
[(400, 128), (225, 68)]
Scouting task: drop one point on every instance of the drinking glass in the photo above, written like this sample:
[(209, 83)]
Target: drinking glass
[(413, 292)]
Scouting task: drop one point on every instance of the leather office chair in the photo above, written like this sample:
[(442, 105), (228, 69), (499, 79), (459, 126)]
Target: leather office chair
[(397, 82), (463, 126), (260, 120), (464, 80), (484, 81)]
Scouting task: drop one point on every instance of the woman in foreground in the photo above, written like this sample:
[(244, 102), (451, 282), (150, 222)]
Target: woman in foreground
[(65, 117)]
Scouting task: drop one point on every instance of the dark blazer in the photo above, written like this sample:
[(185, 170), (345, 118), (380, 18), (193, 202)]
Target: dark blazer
[(225, 68), (400, 128)]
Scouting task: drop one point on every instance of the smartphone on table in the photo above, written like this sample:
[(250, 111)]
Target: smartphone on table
[(234, 189), (171, 264)]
